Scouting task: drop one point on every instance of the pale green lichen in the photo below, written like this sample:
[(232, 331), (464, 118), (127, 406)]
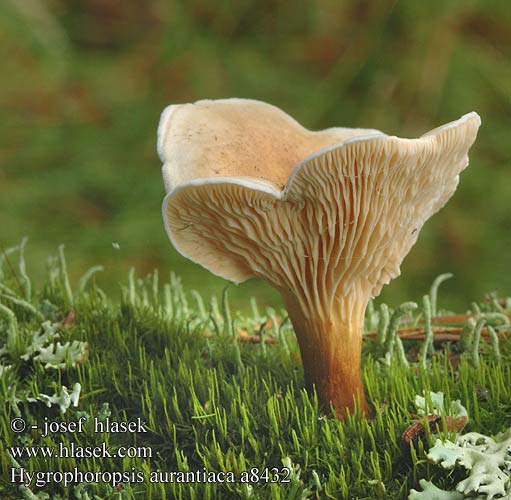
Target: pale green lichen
[(392, 340), (63, 399), (40, 345), (43, 346), (431, 492), (40, 339), (487, 460), (4, 369), (60, 355), (432, 403)]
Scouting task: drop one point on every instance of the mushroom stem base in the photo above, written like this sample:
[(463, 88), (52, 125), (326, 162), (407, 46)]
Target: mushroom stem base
[(331, 354)]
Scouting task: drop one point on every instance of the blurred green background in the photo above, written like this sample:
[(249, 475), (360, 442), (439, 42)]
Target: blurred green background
[(83, 83)]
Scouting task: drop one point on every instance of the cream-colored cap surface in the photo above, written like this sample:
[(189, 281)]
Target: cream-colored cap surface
[(237, 137)]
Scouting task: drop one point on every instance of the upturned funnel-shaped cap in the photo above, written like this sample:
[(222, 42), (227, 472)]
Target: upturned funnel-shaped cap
[(352, 208)]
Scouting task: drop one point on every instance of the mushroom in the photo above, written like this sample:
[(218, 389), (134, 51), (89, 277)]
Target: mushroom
[(325, 217)]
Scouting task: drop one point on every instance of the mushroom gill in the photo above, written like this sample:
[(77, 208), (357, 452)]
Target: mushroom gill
[(329, 240)]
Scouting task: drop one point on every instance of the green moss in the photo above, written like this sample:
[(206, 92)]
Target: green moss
[(213, 404)]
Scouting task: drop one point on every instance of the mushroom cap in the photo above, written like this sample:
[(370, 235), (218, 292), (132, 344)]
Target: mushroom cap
[(346, 218), (236, 138)]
